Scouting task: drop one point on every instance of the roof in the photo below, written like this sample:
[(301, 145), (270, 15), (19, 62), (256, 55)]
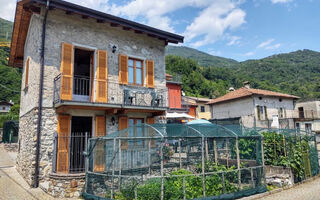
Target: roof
[(25, 9), (246, 92), (6, 103), (199, 99), (187, 101)]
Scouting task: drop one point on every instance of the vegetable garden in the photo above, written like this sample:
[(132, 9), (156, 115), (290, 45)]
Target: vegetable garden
[(175, 161)]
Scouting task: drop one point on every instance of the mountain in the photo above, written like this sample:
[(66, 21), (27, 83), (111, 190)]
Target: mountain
[(5, 30), (202, 58), (296, 73)]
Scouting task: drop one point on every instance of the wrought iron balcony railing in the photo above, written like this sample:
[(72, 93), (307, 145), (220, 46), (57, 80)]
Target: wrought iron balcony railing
[(83, 91)]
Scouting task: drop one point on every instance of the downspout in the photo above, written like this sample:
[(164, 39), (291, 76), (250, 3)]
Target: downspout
[(43, 39)]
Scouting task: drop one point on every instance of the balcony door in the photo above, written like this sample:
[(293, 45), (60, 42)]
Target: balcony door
[(82, 74)]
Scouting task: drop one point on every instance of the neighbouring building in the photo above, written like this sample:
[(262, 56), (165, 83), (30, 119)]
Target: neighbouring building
[(179, 110), (254, 108), (85, 74), (307, 116), (5, 106), (203, 109)]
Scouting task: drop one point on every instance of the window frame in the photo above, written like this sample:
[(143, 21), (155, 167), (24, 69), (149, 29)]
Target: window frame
[(135, 71), (204, 109), (135, 134)]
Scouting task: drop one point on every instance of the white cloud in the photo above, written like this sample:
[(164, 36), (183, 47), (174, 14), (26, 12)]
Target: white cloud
[(250, 53), (272, 47), (265, 43), (7, 9), (280, 1), (234, 40), (214, 21), (154, 12)]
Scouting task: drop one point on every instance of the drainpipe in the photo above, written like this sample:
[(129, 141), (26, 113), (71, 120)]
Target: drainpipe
[(43, 39)]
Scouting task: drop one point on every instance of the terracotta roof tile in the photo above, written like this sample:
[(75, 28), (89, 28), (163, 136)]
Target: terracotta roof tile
[(245, 92)]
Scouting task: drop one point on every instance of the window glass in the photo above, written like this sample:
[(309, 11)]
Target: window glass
[(138, 76), (131, 74), (138, 64), (202, 109), (130, 63)]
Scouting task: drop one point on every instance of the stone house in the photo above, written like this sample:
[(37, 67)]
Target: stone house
[(85, 74), (254, 108), (307, 115)]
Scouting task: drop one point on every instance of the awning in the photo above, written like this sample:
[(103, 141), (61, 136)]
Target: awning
[(179, 115)]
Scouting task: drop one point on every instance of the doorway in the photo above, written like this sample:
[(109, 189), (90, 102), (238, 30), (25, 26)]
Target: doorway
[(82, 75), (81, 131)]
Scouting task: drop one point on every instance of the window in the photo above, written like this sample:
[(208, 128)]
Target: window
[(298, 126), (3, 108), (135, 71), (26, 81), (281, 113), (137, 131), (301, 112), (308, 127), (202, 109)]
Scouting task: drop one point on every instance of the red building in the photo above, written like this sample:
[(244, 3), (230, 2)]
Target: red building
[(177, 104)]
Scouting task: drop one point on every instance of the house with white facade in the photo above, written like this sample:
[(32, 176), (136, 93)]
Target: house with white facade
[(5, 106), (85, 74), (307, 115), (254, 108)]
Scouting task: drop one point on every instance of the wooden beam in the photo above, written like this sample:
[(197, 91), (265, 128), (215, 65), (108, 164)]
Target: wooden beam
[(100, 21), (126, 28), (63, 109), (85, 16), (69, 12), (138, 32), (114, 24)]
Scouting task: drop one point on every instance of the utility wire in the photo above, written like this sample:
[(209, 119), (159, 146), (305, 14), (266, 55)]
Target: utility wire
[(9, 88)]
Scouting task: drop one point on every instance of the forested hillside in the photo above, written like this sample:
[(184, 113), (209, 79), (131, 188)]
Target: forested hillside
[(10, 78), (200, 57), (295, 73)]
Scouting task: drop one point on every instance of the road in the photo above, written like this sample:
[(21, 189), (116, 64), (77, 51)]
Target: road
[(305, 191), (12, 185)]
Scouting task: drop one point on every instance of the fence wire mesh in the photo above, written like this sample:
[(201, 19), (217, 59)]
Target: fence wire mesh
[(174, 161)]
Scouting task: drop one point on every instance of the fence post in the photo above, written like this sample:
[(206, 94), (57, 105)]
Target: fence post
[(113, 166), (120, 164), (262, 158), (215, 151), (149, 155), (238, 162), (161, 172), (180, 161), (203, 171), (223, 183)]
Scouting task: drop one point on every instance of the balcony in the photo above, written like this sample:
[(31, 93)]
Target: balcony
[(84, 92), (306, 114)]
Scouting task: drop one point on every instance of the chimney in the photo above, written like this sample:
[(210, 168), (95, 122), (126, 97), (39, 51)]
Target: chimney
[(246, 84), (231, 89)]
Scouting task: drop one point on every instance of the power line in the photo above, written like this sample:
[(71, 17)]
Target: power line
[(9, 88)]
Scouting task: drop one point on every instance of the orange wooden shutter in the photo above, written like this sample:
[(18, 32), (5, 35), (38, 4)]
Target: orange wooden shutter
[(26, 82), (151, 120), (150, 73), (66, 70), (63, 143), (99, 152), (123, 69), (102, 76), (123, 124)]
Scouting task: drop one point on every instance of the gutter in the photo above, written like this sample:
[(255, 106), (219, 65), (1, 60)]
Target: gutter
[(43, 39)]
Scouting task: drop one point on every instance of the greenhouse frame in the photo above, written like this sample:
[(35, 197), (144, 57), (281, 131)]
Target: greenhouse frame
[(175, 161)]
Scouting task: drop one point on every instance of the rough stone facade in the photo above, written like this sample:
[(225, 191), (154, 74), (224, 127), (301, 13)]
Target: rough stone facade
[(88, 34)]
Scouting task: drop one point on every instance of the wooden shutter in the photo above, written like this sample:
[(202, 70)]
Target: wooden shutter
[(151, 120), (64, 122), (123, 124), (150, 73), (66, 70), (26, 82), (102, 76), (123, 69), (99, 151)]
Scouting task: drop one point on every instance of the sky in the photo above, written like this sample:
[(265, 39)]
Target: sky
[(237, 29)]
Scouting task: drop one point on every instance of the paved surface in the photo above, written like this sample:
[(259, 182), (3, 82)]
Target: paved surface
[(305, 191), (12, 185)]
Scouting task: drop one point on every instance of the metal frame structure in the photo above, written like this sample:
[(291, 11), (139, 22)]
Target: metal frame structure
[(161, 149)]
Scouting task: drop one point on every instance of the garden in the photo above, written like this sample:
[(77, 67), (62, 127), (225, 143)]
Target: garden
[(175, 161)]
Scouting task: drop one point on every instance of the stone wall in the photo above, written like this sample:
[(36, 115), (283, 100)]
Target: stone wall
[(279, 176), (27, 151)]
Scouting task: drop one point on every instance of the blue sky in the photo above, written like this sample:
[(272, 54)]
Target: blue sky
[(238, 29)]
